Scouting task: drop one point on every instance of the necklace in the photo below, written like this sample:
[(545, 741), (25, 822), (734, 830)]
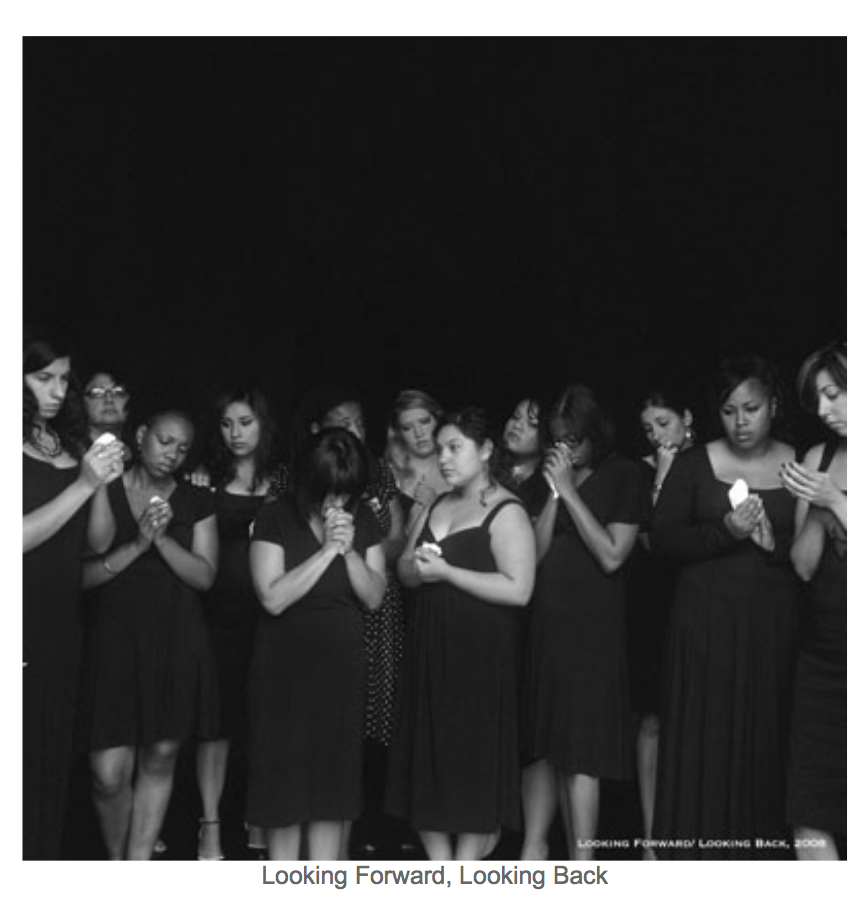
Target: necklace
[(38, 442)]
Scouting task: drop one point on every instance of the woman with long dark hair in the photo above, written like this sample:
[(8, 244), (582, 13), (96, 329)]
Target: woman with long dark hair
[(240, 463), (66, 512), (817, 776)]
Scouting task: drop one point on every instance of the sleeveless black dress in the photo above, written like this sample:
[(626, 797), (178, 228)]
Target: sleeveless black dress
[(729, 669), (52, 648), (455, 765), (817, 793)]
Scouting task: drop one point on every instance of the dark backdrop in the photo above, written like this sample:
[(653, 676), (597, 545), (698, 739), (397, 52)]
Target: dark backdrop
[(476, 217)]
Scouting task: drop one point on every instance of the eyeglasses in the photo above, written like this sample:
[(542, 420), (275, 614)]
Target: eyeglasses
[(570, 442), (102, 392)]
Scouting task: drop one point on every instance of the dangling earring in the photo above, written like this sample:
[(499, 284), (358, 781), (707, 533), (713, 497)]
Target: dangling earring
[(689, 436), (490, 488)]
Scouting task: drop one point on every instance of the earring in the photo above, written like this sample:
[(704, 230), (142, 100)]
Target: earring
[(689, 435)]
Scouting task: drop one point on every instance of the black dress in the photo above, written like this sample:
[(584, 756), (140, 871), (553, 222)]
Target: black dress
[(728, 681), (650, 586), (818, 764), (454, 765), (231, 608), (307, 686), (150, 675), (577, 691), (52, 648)]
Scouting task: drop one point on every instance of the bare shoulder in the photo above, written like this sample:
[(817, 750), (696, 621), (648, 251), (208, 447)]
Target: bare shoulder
[(814, 456), (782, 452), (511, 512)]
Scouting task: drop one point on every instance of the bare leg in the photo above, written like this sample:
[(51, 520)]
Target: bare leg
[(111, 782), (211, 759), (647, 742), (816, 845), (256, 838), (566, 814), (151, 793), (324, 840), (346, 829), (437, 845), (539, 802), (583, 792), (283, 842), (474, 846)]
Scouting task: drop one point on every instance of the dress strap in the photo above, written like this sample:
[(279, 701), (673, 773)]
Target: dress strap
[(486, 523), (829, 451)]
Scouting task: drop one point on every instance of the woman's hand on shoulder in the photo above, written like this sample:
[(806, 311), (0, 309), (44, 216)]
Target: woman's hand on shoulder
[(200, 478)]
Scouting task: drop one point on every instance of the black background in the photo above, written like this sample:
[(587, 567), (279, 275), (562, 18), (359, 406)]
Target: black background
[(476, 217)]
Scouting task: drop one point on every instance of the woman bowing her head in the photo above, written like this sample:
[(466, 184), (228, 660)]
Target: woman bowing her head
[(66, 514)]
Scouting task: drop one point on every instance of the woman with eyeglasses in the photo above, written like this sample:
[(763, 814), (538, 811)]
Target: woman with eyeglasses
[(107, 406), (578, 728), (150, 681), (66, 513), (817, 775)]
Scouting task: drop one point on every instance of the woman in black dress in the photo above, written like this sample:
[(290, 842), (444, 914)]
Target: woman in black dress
[(150, 679), (316, 556), (454, 772), (732, 632), (577, 693), (240, 466), (65, 513), (667, 423), (817, 785)]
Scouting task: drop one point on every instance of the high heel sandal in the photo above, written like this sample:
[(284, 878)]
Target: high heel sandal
[(204, 825)]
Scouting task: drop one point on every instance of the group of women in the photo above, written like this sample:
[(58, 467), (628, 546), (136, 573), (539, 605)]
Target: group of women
[(465, 635)]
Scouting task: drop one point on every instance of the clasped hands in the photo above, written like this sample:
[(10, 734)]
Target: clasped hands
[(339, 528), (154, 520), (557, 469)]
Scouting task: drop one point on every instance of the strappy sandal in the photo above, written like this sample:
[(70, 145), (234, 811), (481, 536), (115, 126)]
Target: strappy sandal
[(204, 824)]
